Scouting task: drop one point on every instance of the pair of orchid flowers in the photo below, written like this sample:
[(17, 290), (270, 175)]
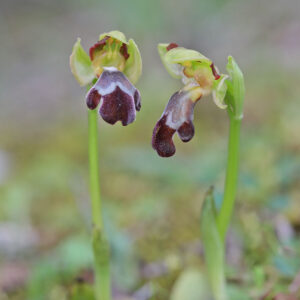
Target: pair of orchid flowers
[(114, 65)]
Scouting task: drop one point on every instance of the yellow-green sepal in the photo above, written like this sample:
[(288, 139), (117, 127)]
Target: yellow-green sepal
[(219, 91), (115, 34), (180, 55), (133, 66), (81, 65), (173, 69)]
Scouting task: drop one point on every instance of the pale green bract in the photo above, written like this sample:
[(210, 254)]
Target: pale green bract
[(236, 89), (81, 65)]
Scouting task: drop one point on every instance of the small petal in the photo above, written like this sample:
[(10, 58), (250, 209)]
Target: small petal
[(124, 51), (215, 71), (98, 47), (171, 46)]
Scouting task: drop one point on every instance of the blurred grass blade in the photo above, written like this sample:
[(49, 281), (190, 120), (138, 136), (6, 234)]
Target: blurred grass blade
[(213, 248), (191, 285)]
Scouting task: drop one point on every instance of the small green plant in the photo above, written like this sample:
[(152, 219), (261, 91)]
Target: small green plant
[(109, 71), (200, 78)]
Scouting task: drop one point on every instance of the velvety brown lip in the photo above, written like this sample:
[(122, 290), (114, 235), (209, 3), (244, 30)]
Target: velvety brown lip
[(177, 117), (119, 98)]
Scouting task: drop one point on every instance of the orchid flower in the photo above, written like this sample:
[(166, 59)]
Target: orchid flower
[(200, 78), (112, 66)]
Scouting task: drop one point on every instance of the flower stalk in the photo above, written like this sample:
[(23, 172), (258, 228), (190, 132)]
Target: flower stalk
[(235, 102), (94, 169), (100, 244), (230, 187)]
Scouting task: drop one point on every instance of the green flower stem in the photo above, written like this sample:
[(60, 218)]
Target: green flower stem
[(225, 213), (94, 170), (100, 244)]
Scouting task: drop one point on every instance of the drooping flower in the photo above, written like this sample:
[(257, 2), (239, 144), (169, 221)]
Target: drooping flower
[(200, 78), (113, 66)]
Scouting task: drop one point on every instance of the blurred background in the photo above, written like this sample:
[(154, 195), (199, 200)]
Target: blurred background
[(152, 205)]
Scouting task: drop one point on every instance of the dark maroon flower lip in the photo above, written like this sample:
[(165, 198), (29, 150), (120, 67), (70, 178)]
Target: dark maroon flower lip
[(120, 99), (177, 117)]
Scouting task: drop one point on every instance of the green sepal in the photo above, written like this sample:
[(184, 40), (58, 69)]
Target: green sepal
[(236, 89), (219, 91), (133, 66), (213, 247), (115, 34), (81, 65), (181, 55), (173, 69)]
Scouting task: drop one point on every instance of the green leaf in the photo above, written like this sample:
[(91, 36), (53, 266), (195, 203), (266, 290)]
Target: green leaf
[(219, 91), (118, 35), (190, 285), (236, 88), (213, 247), (81, 65), (133, 66)]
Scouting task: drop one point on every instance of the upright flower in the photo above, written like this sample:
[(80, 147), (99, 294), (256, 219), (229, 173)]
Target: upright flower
[(200, 78), (113, 66)]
